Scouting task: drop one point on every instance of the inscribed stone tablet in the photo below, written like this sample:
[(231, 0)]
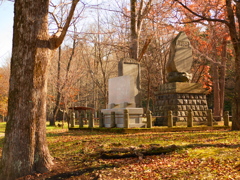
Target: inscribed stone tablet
[(121, 90)]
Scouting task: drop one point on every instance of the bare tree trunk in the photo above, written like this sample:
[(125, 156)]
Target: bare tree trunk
[(222, 75), (137, 17), (25, 148), (235, 41), (58, 99), (216, 91), (236, 103), (60, 88), (148, 92), (134, 35)]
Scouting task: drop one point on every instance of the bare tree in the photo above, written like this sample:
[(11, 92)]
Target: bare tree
[(138, 13), (25, 148)]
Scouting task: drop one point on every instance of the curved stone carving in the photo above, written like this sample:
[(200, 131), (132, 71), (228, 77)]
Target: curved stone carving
[(180, 59)]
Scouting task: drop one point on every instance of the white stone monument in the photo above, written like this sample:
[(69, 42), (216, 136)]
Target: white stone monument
[(124, 93)]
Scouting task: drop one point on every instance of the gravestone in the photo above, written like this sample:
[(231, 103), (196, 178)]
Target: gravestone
[(178, 95), (124, 93)]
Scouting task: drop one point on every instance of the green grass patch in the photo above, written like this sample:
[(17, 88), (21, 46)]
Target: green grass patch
[(211, 154), (2, 127)]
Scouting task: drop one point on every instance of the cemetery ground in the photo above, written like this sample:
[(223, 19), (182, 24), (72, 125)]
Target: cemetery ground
[(83, 155)]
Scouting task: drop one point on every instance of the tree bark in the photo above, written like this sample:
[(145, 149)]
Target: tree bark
[(134, 34), (216, 91), (236, 103), (223, 75), (25, 148), (236, 45), (137, 17)]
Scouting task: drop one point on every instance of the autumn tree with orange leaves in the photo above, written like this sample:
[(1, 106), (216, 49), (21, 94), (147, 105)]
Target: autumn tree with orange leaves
[(4, 85), (209, 42), (227, 13)]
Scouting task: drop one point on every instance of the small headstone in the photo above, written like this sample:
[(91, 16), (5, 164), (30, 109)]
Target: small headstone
[(180, 59)]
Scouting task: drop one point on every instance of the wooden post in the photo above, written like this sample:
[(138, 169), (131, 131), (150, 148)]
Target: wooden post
[(126, 118), (113, 124), (91, 120), (149, 119), (170, 119), (190, 118), (101, 116), (226, 118), (209, 117)]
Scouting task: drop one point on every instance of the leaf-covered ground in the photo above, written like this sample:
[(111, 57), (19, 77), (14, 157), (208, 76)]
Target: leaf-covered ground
[(196, 155)]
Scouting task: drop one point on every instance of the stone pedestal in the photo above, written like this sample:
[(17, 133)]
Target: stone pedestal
[(179, 97), (135, 117)]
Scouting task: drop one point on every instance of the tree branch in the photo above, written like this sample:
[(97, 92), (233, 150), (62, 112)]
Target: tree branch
[(57, 39), (200, 16), (207, 57), (232, 25)]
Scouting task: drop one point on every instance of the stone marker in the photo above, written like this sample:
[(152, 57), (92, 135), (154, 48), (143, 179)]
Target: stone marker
[(179, 95), (180, 59), (121, 90), (124, 95), (130, 67)]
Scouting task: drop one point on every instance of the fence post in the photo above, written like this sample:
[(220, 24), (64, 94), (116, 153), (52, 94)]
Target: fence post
[(170, 119), (91, 120), (190, 118), (226, 118), (101, 117), (209, 117), (113, 124), (126, 118), (149, 119)]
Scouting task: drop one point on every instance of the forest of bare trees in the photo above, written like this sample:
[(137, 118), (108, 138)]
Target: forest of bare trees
[(101, 34), (97, 35)]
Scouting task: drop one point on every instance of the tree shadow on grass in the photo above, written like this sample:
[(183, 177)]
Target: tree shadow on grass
[(78, 172), (132, 154), (83, 132)]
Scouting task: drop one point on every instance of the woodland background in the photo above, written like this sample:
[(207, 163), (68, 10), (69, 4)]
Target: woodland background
[(103, 33)]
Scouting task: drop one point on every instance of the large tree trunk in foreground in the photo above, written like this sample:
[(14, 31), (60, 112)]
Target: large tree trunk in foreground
[(236, 103), (235, 41), (25, 148)]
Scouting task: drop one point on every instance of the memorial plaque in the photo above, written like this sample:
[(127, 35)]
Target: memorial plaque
[(121, 90)]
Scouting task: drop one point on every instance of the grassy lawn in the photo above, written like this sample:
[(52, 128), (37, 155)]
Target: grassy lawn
[(196, 155)]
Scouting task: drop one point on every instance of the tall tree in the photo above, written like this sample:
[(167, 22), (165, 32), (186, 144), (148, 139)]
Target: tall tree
[(25, 148), (227, 12), (138, 13)]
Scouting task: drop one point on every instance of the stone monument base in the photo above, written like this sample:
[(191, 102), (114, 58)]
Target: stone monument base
[(179, 97), (135, 117)]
